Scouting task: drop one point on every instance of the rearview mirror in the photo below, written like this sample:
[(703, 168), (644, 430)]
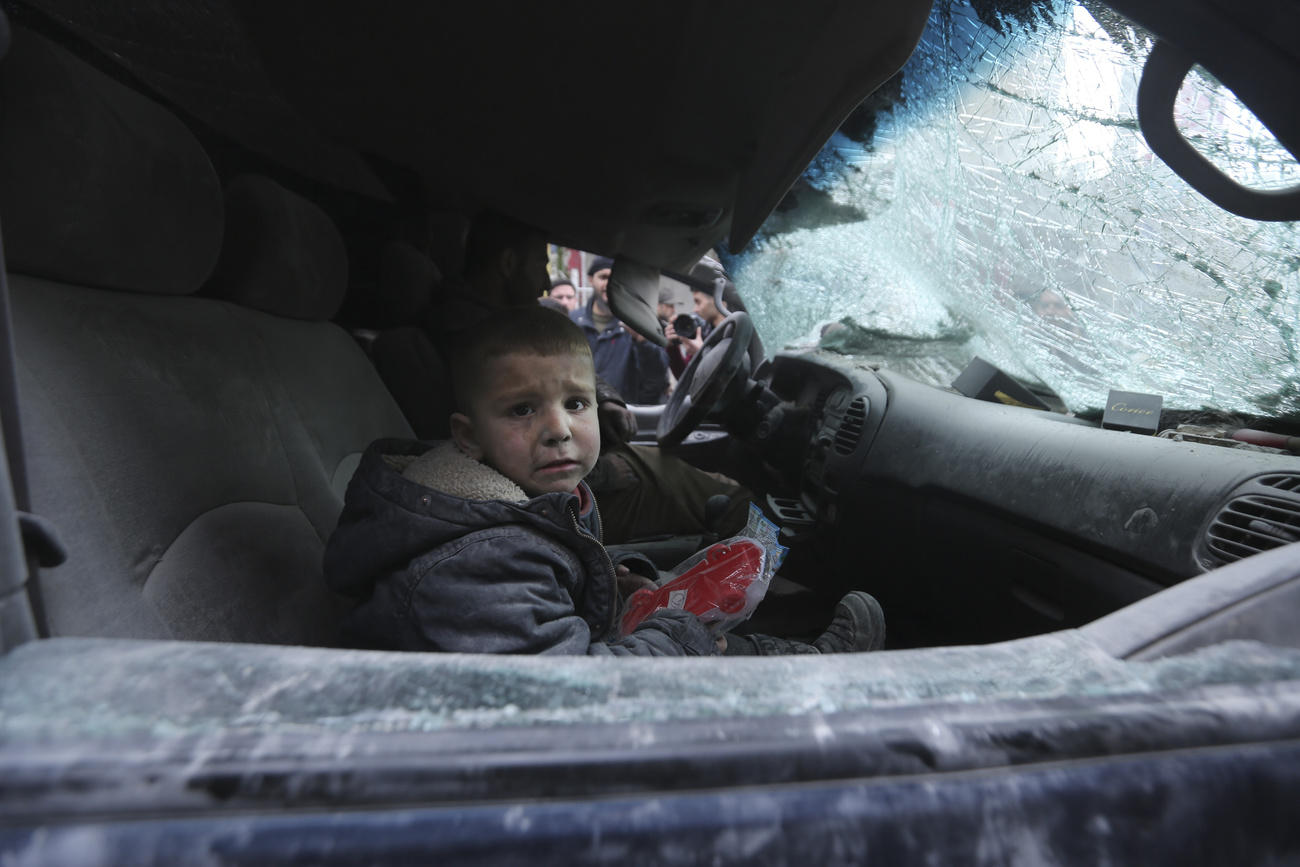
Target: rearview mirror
[(634, 298), (1166, 68)]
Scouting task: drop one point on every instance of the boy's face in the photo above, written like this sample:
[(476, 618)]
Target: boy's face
[(534, 420)]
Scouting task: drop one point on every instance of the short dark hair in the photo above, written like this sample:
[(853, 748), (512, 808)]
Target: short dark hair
[(561, 281), (535, 329), (705, 273), (490, 233)]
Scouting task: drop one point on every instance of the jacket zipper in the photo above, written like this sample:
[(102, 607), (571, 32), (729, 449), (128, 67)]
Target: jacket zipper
[(613, 578), (600, 525)]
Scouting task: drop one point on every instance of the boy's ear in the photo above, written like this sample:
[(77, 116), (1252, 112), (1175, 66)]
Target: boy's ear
[(462, 431)]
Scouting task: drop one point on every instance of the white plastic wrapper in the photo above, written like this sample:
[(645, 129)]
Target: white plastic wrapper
[(722, 585)]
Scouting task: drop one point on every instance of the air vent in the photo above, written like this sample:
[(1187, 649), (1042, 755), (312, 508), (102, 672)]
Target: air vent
[(1282, 481), (1248, 525), (850, 429), (819, 405)]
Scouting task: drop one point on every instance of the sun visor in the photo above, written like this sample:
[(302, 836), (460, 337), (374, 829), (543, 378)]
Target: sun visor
[(634, 298)]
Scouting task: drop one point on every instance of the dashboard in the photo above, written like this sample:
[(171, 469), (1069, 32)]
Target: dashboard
[(1003, 521)]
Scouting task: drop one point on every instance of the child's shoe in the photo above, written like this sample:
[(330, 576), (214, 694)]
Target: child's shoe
[(858, 625)]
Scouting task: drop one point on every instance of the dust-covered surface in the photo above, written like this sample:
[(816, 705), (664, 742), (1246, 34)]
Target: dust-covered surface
[(74, 689), (139, 752), (998, 199)]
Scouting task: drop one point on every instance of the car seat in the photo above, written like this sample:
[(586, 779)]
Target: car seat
[(192, 451), (401, 350)]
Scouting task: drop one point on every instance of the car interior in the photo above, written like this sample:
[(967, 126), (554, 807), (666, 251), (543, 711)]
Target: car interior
[(204, 345), (225, 224), (127, 373)]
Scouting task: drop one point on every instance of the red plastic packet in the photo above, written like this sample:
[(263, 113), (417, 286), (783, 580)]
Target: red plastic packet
[(721, 585)]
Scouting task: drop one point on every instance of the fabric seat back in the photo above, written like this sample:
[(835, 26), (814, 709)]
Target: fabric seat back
[(192, 451)]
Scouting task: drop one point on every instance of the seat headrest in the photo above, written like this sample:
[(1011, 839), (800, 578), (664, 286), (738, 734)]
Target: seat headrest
[(282, 253), (99, 186), (404, 287)]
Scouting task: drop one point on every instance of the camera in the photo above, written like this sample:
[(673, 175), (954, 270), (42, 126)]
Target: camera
[(684, 325)]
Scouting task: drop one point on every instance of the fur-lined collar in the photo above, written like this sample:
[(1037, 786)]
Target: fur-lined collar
[(447, 469)]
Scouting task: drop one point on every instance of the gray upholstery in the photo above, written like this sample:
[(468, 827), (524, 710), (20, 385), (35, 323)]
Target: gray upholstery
[(415, 373), (405, 356), (282, 254), (407, 285), (329, 398), (193, 452)]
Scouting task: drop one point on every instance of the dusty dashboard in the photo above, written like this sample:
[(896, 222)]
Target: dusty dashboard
[(843, 408), (986, 521)]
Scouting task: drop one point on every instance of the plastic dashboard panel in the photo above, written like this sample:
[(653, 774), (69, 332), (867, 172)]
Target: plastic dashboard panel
[(1141, 500), (830, 393), (1004, 521)]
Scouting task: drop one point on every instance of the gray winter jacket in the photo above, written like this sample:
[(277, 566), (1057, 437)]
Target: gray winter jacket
[(447, 554)]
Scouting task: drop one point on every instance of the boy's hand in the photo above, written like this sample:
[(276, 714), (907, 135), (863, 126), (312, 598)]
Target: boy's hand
[(629, 582)]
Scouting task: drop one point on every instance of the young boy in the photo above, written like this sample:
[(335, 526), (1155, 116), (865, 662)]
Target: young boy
[(491, 543)]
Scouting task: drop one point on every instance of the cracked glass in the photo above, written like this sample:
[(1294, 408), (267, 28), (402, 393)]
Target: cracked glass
[(996, 198)]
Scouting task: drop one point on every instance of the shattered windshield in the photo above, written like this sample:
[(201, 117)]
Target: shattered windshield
[(996, 198)]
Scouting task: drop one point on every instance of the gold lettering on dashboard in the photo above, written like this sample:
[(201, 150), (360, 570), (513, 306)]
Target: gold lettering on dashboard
[(1124, 407)]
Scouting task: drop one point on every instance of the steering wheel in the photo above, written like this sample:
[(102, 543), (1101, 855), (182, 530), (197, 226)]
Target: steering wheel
[(703, 384)]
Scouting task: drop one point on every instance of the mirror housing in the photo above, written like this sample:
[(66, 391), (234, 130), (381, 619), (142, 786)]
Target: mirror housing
[(634, 298)]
